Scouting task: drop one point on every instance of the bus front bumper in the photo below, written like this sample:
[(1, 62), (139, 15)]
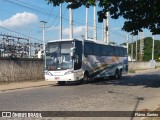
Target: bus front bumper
[(67, 77)]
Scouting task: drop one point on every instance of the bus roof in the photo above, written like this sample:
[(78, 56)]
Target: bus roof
[(89, 40), (63, 40), (102, 43)]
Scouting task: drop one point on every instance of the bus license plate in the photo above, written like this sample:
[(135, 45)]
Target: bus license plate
[(56, 78)]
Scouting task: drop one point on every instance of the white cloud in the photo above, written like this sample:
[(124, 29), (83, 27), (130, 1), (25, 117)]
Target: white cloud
[(53, 28), (19, 20), (76, 30)]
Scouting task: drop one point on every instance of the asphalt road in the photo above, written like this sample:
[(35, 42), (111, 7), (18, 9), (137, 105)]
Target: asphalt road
[(132, 92)]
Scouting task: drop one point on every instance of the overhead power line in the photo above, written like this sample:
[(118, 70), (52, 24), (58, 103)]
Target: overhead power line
[(28, 7), (49, 14), (23, 4), (20, 33)]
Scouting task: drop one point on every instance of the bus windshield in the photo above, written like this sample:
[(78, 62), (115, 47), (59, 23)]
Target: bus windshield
[(58, 56)]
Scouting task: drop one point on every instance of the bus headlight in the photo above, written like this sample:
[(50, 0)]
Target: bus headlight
[(68, 72)]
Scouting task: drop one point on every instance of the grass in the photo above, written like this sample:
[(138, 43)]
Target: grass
[(131, 71)]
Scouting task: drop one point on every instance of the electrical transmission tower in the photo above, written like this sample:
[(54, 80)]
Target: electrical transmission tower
[(17, 47)]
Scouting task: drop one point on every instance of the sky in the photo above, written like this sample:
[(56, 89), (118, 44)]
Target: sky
[(22, 18)]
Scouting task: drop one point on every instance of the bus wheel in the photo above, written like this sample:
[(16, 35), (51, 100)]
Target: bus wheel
[(120, 74), (111, 77), (85, 78), (61, 82), (116, 76)]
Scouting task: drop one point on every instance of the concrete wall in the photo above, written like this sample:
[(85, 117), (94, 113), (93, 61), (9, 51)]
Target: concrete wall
[(158, 64), (12, 70), (141, 65)]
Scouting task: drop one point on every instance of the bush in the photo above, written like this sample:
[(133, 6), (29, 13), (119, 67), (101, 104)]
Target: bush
[(131, 71)]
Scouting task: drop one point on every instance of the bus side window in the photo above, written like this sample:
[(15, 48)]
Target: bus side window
[(103, 50), (111, 50), (121, 50), (78, 55), (88, 48), (117, 52), (96, 49), (125, 52)]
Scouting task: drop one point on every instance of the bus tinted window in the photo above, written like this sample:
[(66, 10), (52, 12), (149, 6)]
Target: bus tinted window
[(104, 50), (117, 51), (96, 49), (111, 50), (121, 51), (88, 48), (124, 51), (107, 50)]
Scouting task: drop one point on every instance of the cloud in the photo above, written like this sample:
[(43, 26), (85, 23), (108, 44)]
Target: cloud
[(77, 30), (52, 28), (19, 20)]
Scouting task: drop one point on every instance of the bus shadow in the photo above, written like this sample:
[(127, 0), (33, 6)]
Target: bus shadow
[(146, 80), (76, 83)]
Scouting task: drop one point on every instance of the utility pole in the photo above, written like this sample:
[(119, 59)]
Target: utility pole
[(29, 44), (94, 25), (141, 46), (71, 23), (104, 30), (152, 63), (107, 28), (60, 36), (132, 49), (43, 29), (86, 23), (127, 42), (136, 48), (153, 49)]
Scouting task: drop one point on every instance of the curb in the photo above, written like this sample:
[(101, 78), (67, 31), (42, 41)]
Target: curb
[(146, 70), (143, 71), (24, 85), (19, 88)]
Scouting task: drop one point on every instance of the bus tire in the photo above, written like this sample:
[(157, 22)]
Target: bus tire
[(85, 77), (120, 74), (61, 83), (116, 76), (111, 77)]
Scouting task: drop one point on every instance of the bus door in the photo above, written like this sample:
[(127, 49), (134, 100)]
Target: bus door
[(78, 58)]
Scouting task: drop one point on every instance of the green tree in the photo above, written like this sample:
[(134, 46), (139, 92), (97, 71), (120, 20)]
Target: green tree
[(148, 41), (139, 14)]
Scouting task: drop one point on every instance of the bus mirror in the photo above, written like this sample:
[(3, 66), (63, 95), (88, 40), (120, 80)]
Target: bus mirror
[(73, 48), (47, 51), (72, 52)]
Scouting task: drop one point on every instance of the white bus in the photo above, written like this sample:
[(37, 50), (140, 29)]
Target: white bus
[(73, 60)]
